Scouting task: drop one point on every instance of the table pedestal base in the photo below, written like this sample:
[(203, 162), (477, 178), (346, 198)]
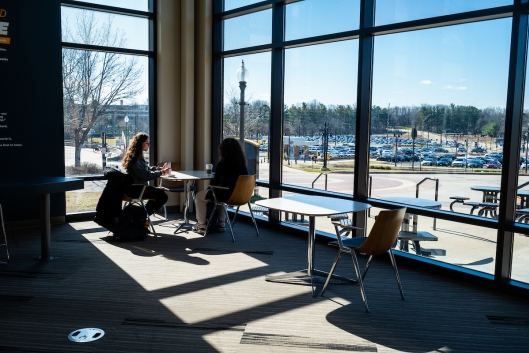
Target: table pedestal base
[(302, 277), (184, 226)]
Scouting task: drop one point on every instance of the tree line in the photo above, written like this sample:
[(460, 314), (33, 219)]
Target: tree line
[(307, 119)]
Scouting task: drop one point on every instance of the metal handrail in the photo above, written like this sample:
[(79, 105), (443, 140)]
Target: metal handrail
[(436, 195), (318, 178), (522, 185)]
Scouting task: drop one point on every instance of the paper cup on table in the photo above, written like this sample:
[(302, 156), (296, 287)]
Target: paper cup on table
[(209, 168)]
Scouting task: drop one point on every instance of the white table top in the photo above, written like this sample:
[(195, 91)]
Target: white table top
[(189, 175), (313, 205)]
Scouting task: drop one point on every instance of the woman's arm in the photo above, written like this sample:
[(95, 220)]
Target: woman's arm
[(141, 170)]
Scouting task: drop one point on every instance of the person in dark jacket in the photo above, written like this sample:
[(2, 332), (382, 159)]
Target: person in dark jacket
[(232, 163), (140, 172)]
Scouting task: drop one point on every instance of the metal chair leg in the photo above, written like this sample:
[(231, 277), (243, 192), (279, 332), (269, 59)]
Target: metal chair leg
[(394, 263), (148, 217), (367, 266), (359, 277), (253, 218), (331, 272), (5, 237), (228, 221), (235, 216)]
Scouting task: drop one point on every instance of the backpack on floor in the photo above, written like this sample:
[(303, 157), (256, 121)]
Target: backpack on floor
[(131, 224)]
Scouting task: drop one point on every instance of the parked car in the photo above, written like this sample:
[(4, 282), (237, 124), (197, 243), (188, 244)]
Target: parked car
[(494, 165), (444, 162), (459, 162), (386, 158), (429, 162), (478, 150), (476, 163)]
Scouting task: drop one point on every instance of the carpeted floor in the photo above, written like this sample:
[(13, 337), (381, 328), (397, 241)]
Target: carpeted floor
[(188, 293)]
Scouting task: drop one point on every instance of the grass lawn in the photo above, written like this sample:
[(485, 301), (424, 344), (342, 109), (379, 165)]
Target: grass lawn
[(81, 201)]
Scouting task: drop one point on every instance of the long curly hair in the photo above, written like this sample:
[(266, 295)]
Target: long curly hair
[(231, 151), (135, 149)]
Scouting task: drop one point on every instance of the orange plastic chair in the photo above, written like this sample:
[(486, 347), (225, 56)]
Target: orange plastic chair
[(242, 193), (381, 239)]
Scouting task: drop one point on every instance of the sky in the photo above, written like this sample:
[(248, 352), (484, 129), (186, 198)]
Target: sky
[(461, 64), (134, 29)]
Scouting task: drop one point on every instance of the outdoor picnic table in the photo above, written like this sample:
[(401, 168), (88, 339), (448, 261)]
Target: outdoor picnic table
[(490, 193), (414, 236), (524, 198)]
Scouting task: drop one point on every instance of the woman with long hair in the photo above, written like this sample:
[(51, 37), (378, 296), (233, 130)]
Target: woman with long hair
[(141, 173), (232, 163)]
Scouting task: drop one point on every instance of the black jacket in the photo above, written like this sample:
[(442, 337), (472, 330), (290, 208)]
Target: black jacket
[(109, 205), (226, 175)]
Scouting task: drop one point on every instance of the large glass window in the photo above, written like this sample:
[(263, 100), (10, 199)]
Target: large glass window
[(446, 88), (437, 114), (320, 115), (318, 17), (255, 107), (391, 11), (105, 94), (248, 30)]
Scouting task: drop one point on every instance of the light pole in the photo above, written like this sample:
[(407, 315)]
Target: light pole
[(396, 135), (287, 130), (126, 120), (325, 145), (242, 76), (466, 153)]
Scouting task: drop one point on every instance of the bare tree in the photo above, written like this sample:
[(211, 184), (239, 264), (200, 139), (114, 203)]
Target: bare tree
[(94, 80)]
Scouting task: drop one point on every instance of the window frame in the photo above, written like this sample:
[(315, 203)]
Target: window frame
[(505, 225), (150, 54)]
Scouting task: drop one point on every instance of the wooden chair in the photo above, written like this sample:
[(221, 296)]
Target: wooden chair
[(5, 236), (241, 195), (139, 201), (380, 240), (174, 186)]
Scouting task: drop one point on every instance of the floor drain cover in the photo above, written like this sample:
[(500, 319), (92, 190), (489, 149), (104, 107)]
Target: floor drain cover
[(86, 335)]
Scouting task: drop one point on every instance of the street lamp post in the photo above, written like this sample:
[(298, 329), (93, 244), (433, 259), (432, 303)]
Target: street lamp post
[(242, 76), (396, 135), (325, 145), (126, 120), (287, 130)]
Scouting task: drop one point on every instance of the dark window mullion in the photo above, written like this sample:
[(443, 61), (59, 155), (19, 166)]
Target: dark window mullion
[(511, 151), (363, 106), (106, 8), (153, 97), (217, 108), (79, 46), (275, 146)]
